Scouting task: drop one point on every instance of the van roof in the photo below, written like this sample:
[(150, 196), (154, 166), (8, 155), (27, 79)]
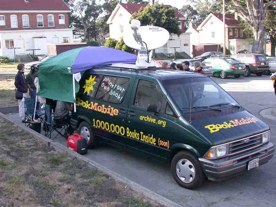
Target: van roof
[(157, 73)]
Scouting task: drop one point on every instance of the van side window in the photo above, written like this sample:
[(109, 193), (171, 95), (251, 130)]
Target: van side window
[(112, 89), (89, 84), (169, 111), (148, 96)]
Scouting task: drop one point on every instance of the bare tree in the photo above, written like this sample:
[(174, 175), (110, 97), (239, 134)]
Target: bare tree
[(253, 12)]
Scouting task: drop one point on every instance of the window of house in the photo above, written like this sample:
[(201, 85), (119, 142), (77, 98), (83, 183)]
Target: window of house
[(14, 22), (9, 44), (213, 34), (241, 33), (236, 33), (230, 32), (61, 19), (51, 20), (180, 25), (39, 20), (148, 95), (112, 89), (25, 21), (2, 20)]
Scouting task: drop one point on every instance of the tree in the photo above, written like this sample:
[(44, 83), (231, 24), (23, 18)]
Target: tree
[(159, 15), (86, 13), (135, 1), (108, 6), (253, 12), (199, 11), (271, 27)]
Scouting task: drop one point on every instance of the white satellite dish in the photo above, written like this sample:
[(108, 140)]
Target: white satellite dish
[(144, 39), (154, 37)]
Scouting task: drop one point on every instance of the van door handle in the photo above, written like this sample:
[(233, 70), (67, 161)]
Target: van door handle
[(131, 113)]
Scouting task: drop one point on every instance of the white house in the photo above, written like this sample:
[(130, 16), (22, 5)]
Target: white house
[(120, 18), (28, 26), (211, 32), (193, 36)]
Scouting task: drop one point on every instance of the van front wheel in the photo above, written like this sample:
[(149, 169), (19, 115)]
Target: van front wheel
[(186, 170), (86, 132)]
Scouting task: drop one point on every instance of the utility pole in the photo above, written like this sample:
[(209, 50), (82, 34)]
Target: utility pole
[(224, 35)]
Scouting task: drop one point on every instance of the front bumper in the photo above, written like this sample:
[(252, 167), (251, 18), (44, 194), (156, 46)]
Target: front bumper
[(230, 166)]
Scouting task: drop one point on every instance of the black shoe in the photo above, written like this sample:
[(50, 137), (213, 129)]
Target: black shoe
[(24, 121)]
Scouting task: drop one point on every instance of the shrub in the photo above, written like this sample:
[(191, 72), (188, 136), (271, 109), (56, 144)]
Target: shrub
[(92, 43), (4, 59), (110, 43)]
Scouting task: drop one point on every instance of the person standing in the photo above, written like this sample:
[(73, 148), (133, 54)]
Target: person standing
[(21, 88), (273, 78), (198, 67), (186, 66)]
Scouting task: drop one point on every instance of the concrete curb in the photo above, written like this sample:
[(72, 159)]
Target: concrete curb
[(135, 186)]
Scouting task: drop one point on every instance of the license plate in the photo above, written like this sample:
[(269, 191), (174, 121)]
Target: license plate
[(253, 164), (262, 63)]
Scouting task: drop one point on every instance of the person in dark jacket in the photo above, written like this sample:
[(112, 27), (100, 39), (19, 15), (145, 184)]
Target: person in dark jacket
[(21, 87)]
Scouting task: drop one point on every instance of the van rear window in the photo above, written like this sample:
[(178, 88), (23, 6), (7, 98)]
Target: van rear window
[(112, 89)]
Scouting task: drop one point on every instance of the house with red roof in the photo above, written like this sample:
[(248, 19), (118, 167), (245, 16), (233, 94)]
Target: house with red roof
[(121, 15), (211, 32), (28, 26)]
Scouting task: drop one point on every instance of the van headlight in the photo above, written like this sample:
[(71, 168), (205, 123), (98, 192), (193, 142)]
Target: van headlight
[(216, 152), (266, 137)]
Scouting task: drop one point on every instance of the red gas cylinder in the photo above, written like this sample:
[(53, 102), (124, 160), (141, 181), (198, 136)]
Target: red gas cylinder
[(77, 143)]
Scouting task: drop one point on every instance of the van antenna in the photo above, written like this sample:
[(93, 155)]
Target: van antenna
[(145, 39)]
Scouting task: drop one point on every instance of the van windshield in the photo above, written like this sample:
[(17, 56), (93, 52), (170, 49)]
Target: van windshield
[(197, 94)]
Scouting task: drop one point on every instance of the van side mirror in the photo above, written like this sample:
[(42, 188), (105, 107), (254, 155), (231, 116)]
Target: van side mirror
[(152, 108)]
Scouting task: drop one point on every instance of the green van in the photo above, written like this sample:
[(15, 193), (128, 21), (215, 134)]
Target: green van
[(181, 117)]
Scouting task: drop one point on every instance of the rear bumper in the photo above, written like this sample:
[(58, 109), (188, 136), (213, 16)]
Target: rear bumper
[(259, 69), (227, 167)]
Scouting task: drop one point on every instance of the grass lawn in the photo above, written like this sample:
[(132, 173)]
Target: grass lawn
[(7, 92), (35, 174), (9, 68)]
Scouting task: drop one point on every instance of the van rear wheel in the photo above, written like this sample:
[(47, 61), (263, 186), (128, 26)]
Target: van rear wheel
[(85, 131), (186, 170)]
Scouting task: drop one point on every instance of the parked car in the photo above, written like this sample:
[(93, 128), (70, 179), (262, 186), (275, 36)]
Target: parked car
[(185, 119), (169, 57), (206, 55), (207, 70), (225, 66), (272, 64), (30, 64), (255, 63)]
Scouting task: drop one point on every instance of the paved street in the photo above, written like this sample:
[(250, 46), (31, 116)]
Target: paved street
[(255, 188)]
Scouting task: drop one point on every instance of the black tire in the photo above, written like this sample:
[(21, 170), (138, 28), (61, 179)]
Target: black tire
[(247, 72), (85, 131), (259, 74), (222, 74), (237, 75), (191, 176)]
